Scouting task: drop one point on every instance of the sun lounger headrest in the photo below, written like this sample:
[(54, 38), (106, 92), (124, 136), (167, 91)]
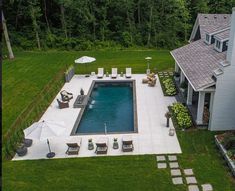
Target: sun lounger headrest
[(127, 140), (73, 145)]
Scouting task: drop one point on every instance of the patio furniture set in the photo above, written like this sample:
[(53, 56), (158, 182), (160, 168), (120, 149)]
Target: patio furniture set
[(65, 98), (101, 145), (150, 80), (23, 147)]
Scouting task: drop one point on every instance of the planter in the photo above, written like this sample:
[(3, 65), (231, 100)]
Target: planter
[(69, 74), (223, 151)]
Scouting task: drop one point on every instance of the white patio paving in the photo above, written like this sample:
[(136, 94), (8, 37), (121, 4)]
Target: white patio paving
[(152, 136)]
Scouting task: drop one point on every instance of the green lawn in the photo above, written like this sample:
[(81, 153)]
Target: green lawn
[(25, 76), (121, 173)]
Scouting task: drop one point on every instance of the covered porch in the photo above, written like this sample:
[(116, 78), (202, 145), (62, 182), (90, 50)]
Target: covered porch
[(199, 102)]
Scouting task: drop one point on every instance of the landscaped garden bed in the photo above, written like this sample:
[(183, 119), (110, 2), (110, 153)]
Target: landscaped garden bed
[(167, 83), (226, 145), (180, 116)]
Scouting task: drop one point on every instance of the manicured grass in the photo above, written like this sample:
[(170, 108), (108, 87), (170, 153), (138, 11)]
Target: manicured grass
[(25, 76), (121, 173)]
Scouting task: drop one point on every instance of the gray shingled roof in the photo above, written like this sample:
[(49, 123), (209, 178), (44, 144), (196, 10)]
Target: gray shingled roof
[(223, 35), (198, 61), (209, 22)]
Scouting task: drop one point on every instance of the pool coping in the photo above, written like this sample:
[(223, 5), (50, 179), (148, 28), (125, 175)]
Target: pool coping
[(73, 132)]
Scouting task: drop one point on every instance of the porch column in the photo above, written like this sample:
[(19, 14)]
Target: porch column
[(200, 107), (182, 77), (211, 101), (176, 67), (189, 95)]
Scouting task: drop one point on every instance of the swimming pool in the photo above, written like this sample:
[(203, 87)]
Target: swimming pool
[(111, 109)]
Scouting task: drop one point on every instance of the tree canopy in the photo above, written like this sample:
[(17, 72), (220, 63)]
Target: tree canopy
[(88, 24)]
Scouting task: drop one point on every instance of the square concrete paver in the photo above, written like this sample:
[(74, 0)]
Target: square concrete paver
[(175, 172), (188, 172), (177, 180), (161, 158), (174, 165), (193, 188), (161, 165), (207, 187), (172, 158), (191, 180)]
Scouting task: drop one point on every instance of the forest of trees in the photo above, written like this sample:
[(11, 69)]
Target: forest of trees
[(97, 24)]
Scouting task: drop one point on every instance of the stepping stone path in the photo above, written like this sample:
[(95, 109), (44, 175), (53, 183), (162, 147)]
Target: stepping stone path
[(177, 177), (161, 158), (177, 180), (161, 165), (207, 187), (175, 172), (172, 158), (174, 165), (191, 180), (193, 188), (188, 172)]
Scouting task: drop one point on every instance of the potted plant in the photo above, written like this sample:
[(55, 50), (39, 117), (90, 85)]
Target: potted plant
[(107, 74), (168, 116), (115, 144), (90, 144), (81, 92), (176, 76), (183, 86)]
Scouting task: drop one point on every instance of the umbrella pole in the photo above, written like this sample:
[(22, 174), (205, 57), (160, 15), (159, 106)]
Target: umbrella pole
[(50, 154), (87, 75)]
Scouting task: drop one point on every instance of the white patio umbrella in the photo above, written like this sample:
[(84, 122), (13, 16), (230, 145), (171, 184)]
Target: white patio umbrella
[(85, 60), (43, 130)]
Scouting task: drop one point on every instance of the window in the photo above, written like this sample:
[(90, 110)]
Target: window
[(207, 38), (218, 44)]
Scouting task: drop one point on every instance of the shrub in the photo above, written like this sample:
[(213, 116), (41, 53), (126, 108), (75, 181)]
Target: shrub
[(182, 116), (169, 86)]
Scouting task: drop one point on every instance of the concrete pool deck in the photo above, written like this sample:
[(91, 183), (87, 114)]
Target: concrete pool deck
[(152, 136)]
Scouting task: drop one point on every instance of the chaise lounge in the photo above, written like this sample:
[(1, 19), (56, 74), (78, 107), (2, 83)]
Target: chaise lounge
[(74, 146), (100, 73), (114, 73), (128, 72), (127, 144), (102, 146)]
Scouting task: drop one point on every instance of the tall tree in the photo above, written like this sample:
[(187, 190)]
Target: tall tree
[(35, 13), (8, 43)]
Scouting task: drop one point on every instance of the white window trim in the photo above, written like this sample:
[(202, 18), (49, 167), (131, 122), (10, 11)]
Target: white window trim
[(209, 41)]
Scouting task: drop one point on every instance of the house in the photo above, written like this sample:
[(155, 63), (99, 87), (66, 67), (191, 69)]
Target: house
[(207, 66)]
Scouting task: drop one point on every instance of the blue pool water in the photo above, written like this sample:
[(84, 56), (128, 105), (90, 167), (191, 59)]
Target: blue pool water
[(110, 104)]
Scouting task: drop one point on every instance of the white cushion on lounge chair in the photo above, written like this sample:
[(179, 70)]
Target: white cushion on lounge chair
[(114, 73), (128, 72), (126, 138), (103, 140), (100, 73), (74, 139)]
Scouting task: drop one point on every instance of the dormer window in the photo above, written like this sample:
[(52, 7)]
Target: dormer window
[(208, 39), (218, 45)]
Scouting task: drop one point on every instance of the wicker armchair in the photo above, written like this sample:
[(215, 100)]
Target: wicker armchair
[(66, 96), (63, 104)]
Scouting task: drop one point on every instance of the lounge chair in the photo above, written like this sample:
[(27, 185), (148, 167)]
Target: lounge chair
[(66, 96), (114, 73), (74, 146), (127, 144), (63, 104), (102, 146), (128, 72), (100, 73)]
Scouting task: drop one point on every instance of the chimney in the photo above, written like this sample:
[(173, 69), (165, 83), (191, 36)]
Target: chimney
[(231, 43)]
